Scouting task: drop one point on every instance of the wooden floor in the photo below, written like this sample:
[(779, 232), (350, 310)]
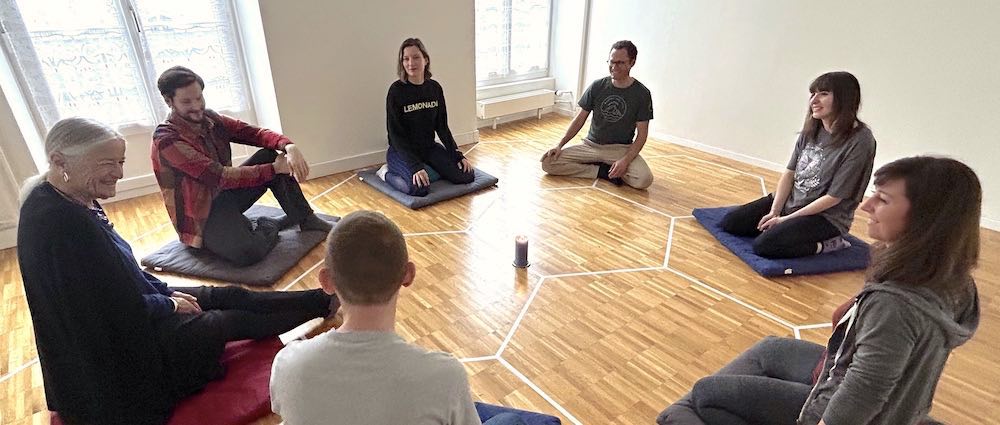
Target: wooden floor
[(627, 302)]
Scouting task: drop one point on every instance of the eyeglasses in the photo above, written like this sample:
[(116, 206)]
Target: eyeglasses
[(617, 63)]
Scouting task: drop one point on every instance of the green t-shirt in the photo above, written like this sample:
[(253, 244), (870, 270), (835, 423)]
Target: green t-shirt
[(616, 111)]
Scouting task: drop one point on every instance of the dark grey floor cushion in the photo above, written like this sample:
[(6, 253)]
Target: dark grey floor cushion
[(441, 190), (175, 257)]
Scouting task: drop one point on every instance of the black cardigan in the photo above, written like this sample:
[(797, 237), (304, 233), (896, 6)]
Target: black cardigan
[(98, 350)]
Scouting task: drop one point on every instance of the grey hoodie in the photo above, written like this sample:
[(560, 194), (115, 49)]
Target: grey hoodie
[(887, 354)]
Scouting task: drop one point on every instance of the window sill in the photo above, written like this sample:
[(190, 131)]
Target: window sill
[(515, 83), (504, 89)]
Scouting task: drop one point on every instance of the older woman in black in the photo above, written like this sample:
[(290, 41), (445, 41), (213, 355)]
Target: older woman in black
[(116, 344)]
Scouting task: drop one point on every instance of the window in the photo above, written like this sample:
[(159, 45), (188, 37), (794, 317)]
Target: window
[(512, 40), (100, 58)]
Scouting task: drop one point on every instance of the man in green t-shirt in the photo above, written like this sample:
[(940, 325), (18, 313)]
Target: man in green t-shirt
[(621, 105)]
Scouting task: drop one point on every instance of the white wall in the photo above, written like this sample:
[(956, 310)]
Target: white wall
[(733, 75), (333, 62), (569, 19)]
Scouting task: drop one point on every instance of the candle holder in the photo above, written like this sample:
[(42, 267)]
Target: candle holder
[(521, 252)]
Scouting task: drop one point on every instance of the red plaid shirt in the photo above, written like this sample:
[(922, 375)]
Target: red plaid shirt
[(193, 164)]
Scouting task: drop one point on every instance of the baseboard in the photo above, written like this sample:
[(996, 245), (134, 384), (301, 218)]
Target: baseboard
[(134, 187), (368, 159), (135, 192), (513, 117), (353, 162), (565, 111), (8, 238), (467, 138), (145, 184), (986, 222), (747, 159)]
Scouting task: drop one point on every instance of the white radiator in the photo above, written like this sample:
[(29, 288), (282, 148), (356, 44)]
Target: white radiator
[(496, 107)]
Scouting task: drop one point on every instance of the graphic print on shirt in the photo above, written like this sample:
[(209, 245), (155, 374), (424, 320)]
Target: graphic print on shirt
[(420, 105), (613, 108), (808, 168)]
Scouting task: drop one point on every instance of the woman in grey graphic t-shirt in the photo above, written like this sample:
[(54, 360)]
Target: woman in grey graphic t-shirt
[(813, 205)]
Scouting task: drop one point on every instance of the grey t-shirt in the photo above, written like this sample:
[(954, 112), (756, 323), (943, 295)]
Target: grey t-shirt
[(616, 111), (369, 378), (841, 171)]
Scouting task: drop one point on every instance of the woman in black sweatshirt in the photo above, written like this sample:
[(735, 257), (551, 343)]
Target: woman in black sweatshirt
[(415, 110)]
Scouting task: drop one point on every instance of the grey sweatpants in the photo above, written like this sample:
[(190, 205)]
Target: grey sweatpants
[(767, 384)]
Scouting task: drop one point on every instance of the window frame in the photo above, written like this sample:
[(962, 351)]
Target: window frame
[(128, 14), (533, 75)]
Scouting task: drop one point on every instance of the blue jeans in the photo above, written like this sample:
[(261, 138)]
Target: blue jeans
[(505, 419)]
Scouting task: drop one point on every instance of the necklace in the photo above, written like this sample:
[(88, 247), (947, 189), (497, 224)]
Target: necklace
[(70, 198), (93, 207)]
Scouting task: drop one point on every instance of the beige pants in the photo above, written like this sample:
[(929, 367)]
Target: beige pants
[(578, 161)]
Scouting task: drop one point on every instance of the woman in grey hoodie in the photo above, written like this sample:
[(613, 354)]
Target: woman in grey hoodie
[(890, 343)]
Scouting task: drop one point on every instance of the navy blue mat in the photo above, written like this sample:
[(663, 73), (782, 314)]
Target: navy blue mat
[(853, 258), (441, 190)]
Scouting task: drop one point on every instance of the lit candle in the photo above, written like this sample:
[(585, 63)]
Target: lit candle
[(521, 251)]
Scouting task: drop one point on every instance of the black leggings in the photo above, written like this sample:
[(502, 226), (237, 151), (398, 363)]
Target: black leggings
[(193, 343), (793, 238)]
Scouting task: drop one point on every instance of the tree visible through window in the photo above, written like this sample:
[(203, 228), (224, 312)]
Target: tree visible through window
[(512, 40), (100, 58)]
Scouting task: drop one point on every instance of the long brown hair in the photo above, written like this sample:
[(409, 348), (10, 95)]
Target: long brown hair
[(940, 245), (423, 51), (846, 92)]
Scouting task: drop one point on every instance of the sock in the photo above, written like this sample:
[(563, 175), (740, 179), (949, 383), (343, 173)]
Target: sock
[(265, 223), (603, 171), (833, 244), (312, 222), (284, 222)]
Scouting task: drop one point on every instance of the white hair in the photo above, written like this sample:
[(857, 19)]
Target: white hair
[(71, 137)]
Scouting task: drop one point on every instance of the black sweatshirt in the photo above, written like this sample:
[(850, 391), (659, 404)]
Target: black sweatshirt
[(413, 113)]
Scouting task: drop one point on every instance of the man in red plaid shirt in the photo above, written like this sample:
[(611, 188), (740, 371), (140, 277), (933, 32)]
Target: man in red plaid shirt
[(205, 194)]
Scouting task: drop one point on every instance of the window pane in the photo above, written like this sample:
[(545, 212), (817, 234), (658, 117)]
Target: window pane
[(200, 35), (491, 39), (529, 50), (78, 61), (512, 40)]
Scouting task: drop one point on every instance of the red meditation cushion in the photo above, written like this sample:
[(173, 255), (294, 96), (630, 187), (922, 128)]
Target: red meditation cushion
[(239, 398)]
